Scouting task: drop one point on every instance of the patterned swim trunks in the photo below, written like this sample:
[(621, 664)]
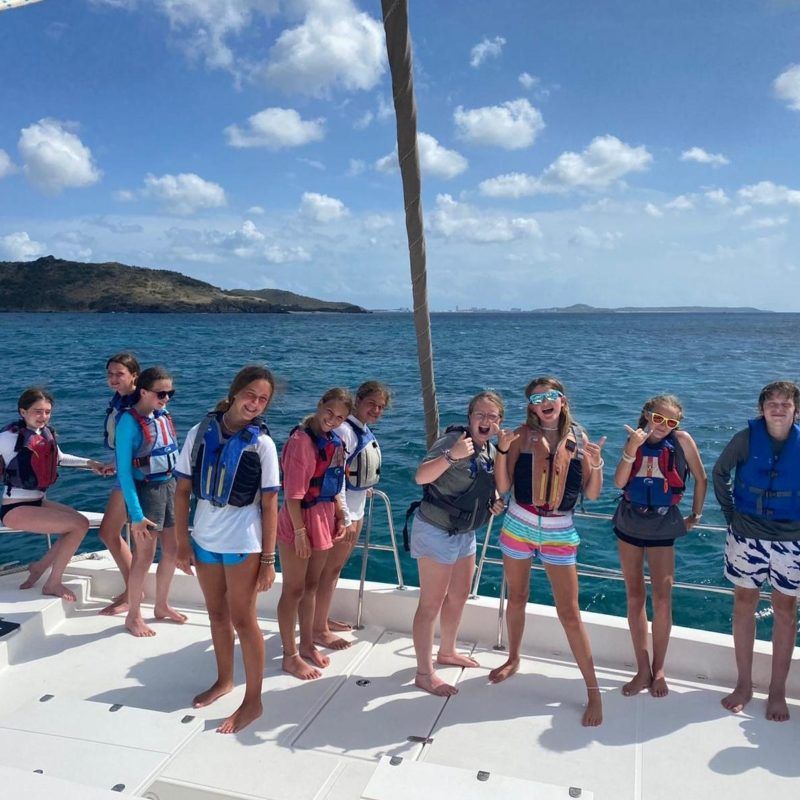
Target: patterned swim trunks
[(526, 533)]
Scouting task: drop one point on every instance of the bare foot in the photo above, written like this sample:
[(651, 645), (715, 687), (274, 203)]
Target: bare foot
[(338, 625), (241, 718), (214, 692), (738, 698), (499, 674), (314, 656), (659, 688), (59, 590), (118, 605), (641, 681), (295, 665), (593, 715), (327, 639), (455, 660), (35, 571), (432, 683), (169, 613), (777, 710), (138, 627)]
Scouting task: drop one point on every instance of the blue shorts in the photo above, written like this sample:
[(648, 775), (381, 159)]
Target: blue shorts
[(203, 556), (428, 541)]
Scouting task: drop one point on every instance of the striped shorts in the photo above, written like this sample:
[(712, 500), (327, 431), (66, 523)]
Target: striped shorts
[(525, 533), (751, 562)]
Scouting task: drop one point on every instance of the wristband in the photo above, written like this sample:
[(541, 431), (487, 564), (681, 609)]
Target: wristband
[(502, 452), (695, 516), (267, 560), (598, 466), (628, 459), (448, 458)]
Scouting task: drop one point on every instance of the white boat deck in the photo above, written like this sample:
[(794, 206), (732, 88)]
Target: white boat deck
[(325, 738)]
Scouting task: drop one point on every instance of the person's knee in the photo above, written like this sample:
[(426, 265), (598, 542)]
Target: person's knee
[(569, 615), (79, 524), (784, 609), (745, 600), (244, 621), (219, 617), (292, 593)]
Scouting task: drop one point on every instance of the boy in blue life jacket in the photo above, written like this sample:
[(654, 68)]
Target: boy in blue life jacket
[(762, 507)]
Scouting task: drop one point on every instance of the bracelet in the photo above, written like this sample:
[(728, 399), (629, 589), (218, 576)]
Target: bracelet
[(501, 452), (267, 560), (628, 459), (695, 516), (300, 532), (598, 466), (448, 458)]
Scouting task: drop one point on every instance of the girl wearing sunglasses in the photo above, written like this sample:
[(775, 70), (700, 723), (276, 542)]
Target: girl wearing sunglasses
[(146, 452), (549, 464), (655, 464)]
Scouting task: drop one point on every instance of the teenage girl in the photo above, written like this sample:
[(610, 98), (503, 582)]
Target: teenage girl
[(363, 472), (122, 370), (29, 461), (549, 463), (230, 464), (652, 472), (146, 452), (312, 520)]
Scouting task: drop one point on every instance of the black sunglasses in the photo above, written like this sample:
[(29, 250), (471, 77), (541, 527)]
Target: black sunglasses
[(163, 395)]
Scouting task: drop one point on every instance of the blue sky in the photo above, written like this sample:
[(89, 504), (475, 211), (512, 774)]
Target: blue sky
[(612, 153)]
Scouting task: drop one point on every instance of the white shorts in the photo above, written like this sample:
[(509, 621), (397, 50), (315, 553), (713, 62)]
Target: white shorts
[(750, 562)]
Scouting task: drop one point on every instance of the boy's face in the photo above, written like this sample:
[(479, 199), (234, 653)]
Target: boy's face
[(779, 409)]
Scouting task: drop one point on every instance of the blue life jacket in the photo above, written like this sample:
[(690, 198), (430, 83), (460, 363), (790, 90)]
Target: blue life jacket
[(665, 488), (363, 469), (767, 485), (226, 470), (158, 452), (35, 463), (328, 478), (117, 404)]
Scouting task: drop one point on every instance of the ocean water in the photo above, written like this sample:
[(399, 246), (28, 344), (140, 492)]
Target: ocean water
[(716, 363)]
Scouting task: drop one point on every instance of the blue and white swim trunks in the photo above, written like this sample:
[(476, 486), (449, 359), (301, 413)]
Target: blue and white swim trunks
[(751, 562)]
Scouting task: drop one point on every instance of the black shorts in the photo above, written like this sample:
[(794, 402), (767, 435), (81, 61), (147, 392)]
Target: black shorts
[(637, 542), (6, 507)]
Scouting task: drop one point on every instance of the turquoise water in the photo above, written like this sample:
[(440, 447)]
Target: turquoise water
[(610, 364)]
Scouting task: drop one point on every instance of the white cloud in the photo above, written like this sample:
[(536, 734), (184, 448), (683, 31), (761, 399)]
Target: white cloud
[(277, 254), (680, 203), (313, 163), (454, 220), (488, 48), (604, 162), (356, 167), (184, 193), (364, 121), (653, 211), (336, 46), (377, 222), (766, 223), (6, 164), (702, 157), (511, 125), (275, 129), (256, 210), (55, 158), (718, 197), (434, 159), (528, 81), (322, 208), (787, 86), (124, 196), (73, 245), (19, 246), (767, 193), (586, 237)]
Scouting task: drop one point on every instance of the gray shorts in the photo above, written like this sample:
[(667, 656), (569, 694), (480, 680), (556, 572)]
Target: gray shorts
[(157, 500), (428, 541)]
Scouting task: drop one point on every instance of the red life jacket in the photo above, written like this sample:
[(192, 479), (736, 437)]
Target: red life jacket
[(35, 465), (158, 452), (657, 491)]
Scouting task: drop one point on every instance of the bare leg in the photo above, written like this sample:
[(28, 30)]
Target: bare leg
[(293, 574), (661, 562), (518, 581), (142, 559), (564, 582), (305, 611), (338, 556), (452, 611), (164, 573), (784, 628), (745, 602), (212, 579), (53, 518), (114, 518), (434, 579), (241, 582), (631, 559)]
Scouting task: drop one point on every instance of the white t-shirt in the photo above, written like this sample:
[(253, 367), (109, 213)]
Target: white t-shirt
[(8, 441), (355, 500), (231, 529)]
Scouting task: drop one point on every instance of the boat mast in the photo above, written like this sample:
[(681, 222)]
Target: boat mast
[(398, 48)]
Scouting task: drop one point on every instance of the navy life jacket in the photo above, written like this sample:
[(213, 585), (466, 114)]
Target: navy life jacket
[(35, 465), (158, 452), (117, 404), (363, 469), (649, 490), (766, 485), (226, 470), (328, 478), (467, 511)]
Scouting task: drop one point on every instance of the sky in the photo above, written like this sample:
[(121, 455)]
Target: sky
[(615, 153)]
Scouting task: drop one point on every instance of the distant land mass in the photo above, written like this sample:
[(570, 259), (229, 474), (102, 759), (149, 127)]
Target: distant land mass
[(52, 284), (582, 308)]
